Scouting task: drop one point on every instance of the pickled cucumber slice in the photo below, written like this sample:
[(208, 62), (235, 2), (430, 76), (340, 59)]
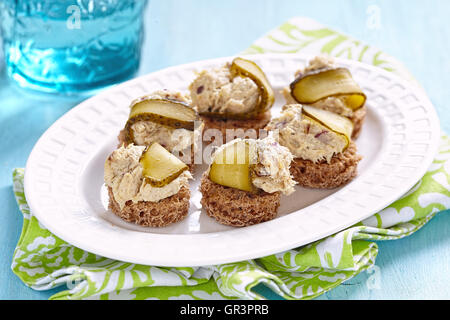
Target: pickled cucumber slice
[(336, 123), (245, 68), (231, 167), (166, 112), (160, 167), (317, 85)]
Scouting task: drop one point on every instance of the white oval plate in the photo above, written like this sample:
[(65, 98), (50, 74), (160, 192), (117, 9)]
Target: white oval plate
[(64, 173)]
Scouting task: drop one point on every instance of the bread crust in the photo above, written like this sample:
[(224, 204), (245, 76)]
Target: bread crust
[(223, 124), (358, 118), (153, 214), (341, 170), (235, 207)]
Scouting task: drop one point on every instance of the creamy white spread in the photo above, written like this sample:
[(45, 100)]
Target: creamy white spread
[(123, 173), (333, 104), (147, 132), (270, 163), (271, 171), (304, 137), (217, 91)]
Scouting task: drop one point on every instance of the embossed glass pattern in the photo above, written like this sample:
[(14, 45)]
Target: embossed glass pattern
[(71, 45)]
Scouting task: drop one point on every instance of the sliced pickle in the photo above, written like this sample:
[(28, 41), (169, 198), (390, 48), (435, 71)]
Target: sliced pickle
[(231, 167), (336, 123), (245, 68), (166, 112), (317, 85), (160, 167)]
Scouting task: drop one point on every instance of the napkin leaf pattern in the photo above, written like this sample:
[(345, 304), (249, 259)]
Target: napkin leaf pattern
[(43, 261)]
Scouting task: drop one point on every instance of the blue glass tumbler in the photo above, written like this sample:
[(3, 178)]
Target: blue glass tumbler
[(71, 46)]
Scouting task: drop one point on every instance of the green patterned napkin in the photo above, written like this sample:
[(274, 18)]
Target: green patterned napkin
[(43, 261)]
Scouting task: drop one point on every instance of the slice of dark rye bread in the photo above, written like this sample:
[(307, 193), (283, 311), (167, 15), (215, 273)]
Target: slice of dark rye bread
[(153, 214), (235, 207), (246, 125), (341, 170)]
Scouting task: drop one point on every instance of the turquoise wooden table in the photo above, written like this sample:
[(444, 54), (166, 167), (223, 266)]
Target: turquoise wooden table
[(180, 31)]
